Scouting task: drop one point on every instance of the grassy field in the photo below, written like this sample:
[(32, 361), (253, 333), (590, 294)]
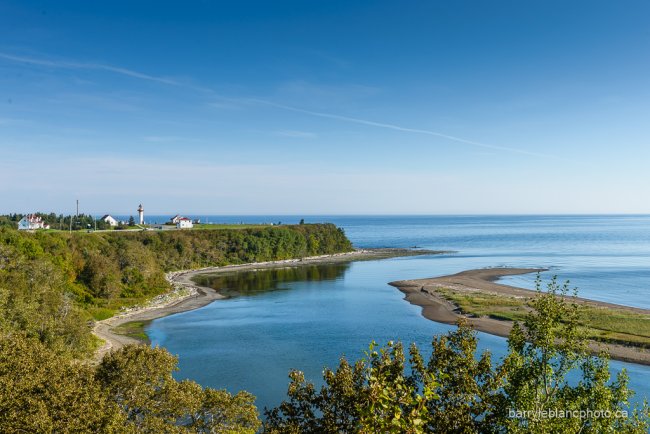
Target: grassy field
[(230, 226), (133, 330), (107, 308), (199, 226), (601, 324)]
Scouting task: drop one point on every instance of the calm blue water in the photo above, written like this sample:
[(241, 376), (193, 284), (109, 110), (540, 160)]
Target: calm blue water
[(306, 322)]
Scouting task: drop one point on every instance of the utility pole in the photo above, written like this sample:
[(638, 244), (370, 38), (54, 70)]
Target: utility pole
[(77, 209)]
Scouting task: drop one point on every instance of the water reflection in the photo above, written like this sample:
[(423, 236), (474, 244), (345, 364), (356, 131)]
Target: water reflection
[(252, 342), (264, 280)]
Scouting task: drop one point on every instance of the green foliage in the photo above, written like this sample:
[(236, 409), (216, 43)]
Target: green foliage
[(468, 384), (457, 391), (42, 392), (59, 222), (100, 313), (453, 392), (139, 379), (543, 351), (52, 282), (36, 300), (10, 221), (132, 390), (372, 396)]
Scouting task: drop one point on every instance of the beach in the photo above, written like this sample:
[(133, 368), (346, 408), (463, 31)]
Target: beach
[(426, 293), (187, 295)]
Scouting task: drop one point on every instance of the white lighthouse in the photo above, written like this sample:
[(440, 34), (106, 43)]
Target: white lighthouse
[(141, 214)]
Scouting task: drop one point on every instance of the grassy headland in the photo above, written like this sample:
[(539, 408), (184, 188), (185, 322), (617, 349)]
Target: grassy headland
[(199, 287), (53, 283)]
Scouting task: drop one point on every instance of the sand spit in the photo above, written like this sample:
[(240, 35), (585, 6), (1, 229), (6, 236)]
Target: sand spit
[(423, 292)]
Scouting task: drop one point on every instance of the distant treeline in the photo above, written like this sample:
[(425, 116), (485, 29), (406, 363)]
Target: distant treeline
[(60, 221), (51, 283)]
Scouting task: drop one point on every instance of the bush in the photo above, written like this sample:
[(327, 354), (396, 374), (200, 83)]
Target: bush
[(132, 390), (456, 392)]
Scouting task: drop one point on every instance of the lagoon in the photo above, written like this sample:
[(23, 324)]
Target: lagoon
[(306, 319)]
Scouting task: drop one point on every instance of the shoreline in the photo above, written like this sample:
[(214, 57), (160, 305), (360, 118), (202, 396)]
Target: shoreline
[(187, 295), (423, 293)]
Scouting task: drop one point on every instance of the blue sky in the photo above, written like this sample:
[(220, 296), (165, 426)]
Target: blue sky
[(335, 107)]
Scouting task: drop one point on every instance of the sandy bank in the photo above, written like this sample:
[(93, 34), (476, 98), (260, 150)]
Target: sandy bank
[(186, 295), (423, 292)]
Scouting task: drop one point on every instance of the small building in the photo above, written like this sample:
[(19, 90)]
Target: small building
[(184, 223), (176, 218), (109, 220), (31, 222)]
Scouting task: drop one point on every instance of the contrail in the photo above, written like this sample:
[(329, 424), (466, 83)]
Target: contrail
[(398, 128), (171, 82), (82, 65)]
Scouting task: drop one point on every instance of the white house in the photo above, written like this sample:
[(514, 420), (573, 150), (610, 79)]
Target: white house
[(176, 218), (32, 222), (184, 223), (110, 220)]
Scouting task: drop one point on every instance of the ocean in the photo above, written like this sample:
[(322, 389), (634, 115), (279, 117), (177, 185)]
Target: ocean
[(307, 319)]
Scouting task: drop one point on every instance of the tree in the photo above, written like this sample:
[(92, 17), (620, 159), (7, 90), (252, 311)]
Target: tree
[(34, 300), (372, 396), (468, 384), (131, 391), (140, 381), (457, 392), (131, 221), (543, 351), (44, 392)]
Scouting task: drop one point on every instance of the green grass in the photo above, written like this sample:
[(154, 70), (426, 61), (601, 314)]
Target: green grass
[(107, 308), (133, 330), (490, 305), (616, 326), (229, 226), (198, 226), (100, 313), (599, 323)]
